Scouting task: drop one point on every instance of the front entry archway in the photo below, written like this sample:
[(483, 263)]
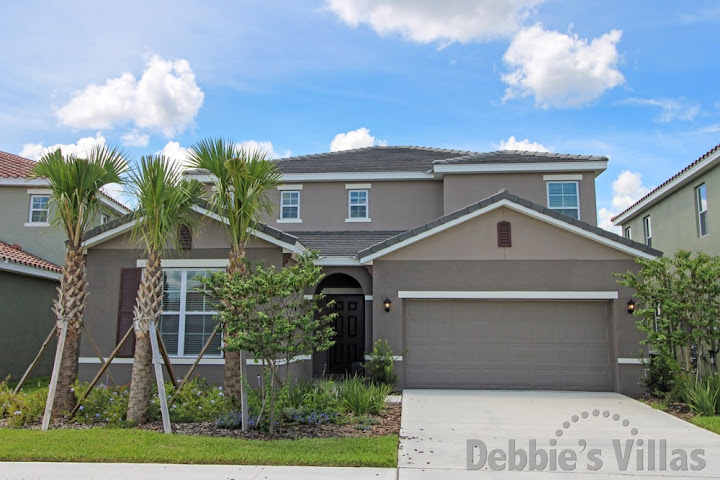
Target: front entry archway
[(349, 326)]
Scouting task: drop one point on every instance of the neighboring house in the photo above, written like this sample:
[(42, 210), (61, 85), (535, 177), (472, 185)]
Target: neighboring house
[(31, 254), (682, 213), (493, 268)]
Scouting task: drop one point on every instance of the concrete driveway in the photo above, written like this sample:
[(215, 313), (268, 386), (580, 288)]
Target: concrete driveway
[(547, 435)]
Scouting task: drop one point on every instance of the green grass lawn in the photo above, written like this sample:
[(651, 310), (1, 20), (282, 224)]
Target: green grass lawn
[(139, 446), (708, 423)]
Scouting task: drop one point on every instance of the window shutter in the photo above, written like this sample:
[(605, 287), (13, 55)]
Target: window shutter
[(504, 236), (185, 237), (129, 284)]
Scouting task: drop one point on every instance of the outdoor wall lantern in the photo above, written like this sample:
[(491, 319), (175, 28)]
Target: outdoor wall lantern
[(631, 306), (387, 303)]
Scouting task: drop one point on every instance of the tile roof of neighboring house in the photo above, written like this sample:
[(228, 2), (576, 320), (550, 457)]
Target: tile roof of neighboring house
[(505, 195), (343, 243), (15, 166), (667, 182), (409, 159), (15, 254)]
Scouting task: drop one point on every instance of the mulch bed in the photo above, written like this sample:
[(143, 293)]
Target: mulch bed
[(679, 410), (389, 424)]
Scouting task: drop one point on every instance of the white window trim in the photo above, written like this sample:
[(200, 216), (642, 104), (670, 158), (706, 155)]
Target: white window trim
[(30, 222), (627, 233), (508, 295), (297, 186), (698, 206), (39, 191), (297, 219), (104, 216), (358, 186), (189, 263), (366, 218), (647, 229), (547, 195), (562, 178)]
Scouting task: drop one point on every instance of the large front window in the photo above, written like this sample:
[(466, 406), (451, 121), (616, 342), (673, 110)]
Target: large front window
[(563, 197), (188, 316)]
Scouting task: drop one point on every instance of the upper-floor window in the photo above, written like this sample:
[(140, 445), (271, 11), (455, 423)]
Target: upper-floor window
[(188, 316), (290, 205), (104, 218), (563, 197), (702, 208), (628, 233), (357, 205), (39, 208), (647, 231)]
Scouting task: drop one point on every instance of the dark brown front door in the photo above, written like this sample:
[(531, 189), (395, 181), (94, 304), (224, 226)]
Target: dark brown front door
[(349, 328)]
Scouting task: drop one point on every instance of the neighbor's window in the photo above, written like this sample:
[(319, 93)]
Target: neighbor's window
[(702, 207), (188, 316), (104, 218), (563, 197), (647, 231), (290, 205), (628, 233), (39, 208), (357, 204)]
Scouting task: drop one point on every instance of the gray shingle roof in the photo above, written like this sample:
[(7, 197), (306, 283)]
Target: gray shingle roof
[(343, 243), (519, 156), (505, 195)]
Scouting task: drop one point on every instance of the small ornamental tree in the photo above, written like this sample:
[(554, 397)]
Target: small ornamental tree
[(679, 307), (268, 315)]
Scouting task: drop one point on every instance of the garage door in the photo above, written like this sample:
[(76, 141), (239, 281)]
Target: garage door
[(507, 344)]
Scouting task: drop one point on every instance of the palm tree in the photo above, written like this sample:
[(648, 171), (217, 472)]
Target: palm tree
[(242, 179), (75, 184), (164, 205)]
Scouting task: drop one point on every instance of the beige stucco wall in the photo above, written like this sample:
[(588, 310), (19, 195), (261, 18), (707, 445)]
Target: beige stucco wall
[(674, 219), (462, 190)]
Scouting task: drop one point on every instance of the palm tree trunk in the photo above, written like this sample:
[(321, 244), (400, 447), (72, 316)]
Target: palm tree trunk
[(147, 309), (70, 306), (234, 369)]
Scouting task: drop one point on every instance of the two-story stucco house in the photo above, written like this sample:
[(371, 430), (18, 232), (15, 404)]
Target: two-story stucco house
[(482, 270), (682, 213), (31, 252)]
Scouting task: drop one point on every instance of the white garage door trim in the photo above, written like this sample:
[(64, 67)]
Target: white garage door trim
[(507, 295)]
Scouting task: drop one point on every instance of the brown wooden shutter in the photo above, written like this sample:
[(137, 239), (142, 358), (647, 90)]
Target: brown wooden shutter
[(129, 284), (504, 234), (185, 237)]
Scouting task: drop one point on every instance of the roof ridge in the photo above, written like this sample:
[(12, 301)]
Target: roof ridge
[(373, 147), (529, 153), (666, 182)]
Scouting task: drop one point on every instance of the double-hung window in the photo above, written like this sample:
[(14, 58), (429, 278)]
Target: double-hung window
[(188, 316), (290, 205), (647, 231), (39, 209), (702, 207), (563, 197), (628, 233), (357, 205)]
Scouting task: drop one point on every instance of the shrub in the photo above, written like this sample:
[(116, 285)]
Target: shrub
[(381, 365), (104, 404), (21, 408), (702, 397), (660, 374), (305, 416), (197, 402), (361, 399)]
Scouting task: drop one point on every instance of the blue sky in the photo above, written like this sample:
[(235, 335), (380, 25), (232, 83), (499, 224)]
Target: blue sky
[(635, 81)]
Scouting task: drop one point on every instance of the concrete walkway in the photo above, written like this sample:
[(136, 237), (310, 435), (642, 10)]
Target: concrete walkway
[(150, 471), (437, 424)]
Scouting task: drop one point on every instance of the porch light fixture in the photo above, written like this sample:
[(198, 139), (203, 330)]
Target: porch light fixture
[(631, 306), (387, 303)]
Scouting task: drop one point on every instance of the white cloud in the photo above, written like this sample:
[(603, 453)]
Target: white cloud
[(135, 138), (166, 98), (359, 138), (678, 109), (175, 154), (561, 70), (84, 145), (428, 21), (524, 145), (265, 146), (627, 189)]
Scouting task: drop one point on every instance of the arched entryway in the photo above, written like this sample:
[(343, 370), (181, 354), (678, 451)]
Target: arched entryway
[(349, 326)]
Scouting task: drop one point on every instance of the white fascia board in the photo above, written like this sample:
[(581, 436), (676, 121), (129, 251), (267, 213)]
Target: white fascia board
[(24, 182), (296, 248), (356, 176), (507, 295), (663, 192), (189, 263), (110, 234), (337, 261), (513, 206), (114, 206), (521, 167), (13, 267)]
